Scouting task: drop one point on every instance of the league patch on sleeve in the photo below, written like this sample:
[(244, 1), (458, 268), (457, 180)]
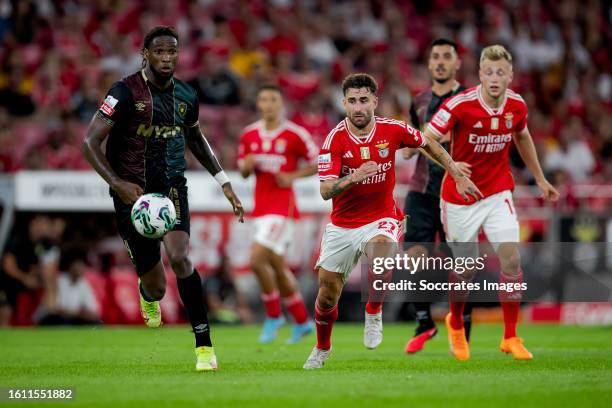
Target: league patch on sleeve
[(442, 117), (325, 162), (108, 107), (325, 158)]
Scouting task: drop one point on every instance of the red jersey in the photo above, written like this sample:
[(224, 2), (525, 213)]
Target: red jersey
[(342, 154), (480, 136), (275, 151)]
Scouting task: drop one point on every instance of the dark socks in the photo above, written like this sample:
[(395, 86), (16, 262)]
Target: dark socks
[(190, 290), (423, 316)]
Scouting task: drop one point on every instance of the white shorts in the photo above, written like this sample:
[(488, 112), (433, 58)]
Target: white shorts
[(341, 248), (495, 214), (274, 232)]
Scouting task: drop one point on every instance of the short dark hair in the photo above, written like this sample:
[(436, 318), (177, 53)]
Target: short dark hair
[(159, 31), (358, 81), (269, 87), (444, 41)]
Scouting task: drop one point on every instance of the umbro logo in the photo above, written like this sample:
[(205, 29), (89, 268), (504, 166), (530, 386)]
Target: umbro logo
[(478, 125), (200, 328), (140, 106), (348, 155)]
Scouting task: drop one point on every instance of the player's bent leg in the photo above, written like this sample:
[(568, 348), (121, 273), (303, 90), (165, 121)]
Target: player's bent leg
[(261, 265), (326, 313), (145, 255), (379, 246), (292, 298), (192, 296), (461, 224), (152, 287), (510, 300), (502, 229)]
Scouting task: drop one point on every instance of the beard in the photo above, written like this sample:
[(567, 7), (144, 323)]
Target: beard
[(365, 121), (442, 80)]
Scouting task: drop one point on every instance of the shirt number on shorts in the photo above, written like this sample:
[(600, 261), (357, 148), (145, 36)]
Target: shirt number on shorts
[(387, 227)]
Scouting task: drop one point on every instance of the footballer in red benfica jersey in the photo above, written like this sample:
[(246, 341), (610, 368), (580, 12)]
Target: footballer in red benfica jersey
[(357, 171), (482, 122), (276, 151)]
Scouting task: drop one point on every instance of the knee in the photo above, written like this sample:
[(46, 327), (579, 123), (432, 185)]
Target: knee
[(328, 296), (511, 264), (178, 257), (326, 300)]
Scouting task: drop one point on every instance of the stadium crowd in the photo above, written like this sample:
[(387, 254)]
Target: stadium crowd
[(59, 57)]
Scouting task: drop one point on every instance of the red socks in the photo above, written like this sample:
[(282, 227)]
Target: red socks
[(456, 320), (373, 307), (325, 321), (272, 304), (510, 303), (457, 299), (295, 305)]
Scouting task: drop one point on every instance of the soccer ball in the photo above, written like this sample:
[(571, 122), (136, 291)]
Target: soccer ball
[(153, 215)]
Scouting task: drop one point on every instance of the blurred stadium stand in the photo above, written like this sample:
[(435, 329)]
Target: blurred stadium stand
[(59, 57)]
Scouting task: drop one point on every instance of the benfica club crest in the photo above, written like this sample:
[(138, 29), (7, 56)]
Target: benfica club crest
[(383, 149), (508, 117), (182, 109)]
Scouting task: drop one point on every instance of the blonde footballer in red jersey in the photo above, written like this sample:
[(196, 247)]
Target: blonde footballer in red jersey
[(272, 148), (482, 122), (357, 171)]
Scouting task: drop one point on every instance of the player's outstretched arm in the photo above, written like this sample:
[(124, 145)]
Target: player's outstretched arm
[(92, 150), (465, 186), (202, 151), (526, 148), (332, 188)]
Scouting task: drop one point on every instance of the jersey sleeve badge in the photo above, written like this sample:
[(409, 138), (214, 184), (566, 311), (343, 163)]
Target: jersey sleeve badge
[(325, 162), (108, 106)]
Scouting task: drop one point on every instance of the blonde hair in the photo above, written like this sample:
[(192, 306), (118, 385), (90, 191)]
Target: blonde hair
[(495, 53)]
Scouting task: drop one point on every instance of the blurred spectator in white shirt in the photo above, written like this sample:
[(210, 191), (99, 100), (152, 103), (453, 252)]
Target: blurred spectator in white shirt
[(572, 154), (76, 302)]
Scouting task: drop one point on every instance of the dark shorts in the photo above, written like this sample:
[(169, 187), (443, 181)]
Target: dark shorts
[(423, 222), (145, 252)]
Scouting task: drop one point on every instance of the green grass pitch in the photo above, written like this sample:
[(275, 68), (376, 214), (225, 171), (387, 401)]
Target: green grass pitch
[(139, 367)]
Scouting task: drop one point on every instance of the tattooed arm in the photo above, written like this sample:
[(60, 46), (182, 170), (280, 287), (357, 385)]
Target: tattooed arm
[(465, 186), (332, 188)]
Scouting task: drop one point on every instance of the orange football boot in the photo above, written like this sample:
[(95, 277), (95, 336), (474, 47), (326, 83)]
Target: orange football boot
[(515, 346), (459, 346)]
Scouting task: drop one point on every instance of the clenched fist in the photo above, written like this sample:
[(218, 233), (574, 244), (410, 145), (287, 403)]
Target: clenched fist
[(367, 169)]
